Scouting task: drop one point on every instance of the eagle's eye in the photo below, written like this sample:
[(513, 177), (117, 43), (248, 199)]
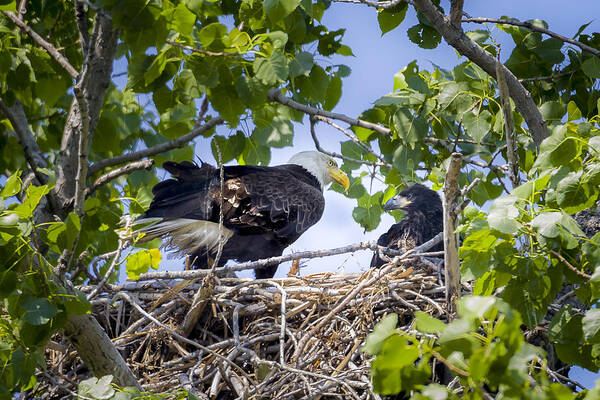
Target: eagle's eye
[(331, 163)]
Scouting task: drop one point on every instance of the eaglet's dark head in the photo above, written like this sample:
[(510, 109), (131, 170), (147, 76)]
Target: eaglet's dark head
[(415, 198)]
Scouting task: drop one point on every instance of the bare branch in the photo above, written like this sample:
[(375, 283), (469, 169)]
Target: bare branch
[(463, 193), (33, 154), (115, 173), (159, 148), (511, 151), (467, 47), (49, 47), (451, 263), (532, 27), (380, 5), (203, 52), (354, 139), (22, 9), (313, 120), (549, 77), (456, 12), (276, 95), (113, 264)]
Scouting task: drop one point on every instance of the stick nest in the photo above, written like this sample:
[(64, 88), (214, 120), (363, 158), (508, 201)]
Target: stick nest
[(280, 338)]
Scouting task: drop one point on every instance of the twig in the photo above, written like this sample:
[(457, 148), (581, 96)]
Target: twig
[(33, 154), (451, 263), (276, 95), (532, 27), (549, 77), (137, 306), (380, 5), (569, 265), (50, 49), (467, 47), (511, 150), (354, 139), (22, 9), (313, 120), (115, 173), (459, 209), (222, 190), (115, 261), (159, 148), (204, 52)]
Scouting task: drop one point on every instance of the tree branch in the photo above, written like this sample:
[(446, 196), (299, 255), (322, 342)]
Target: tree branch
[(530, 26), (276, 95), (456, 12), (159, 148), (115, 173), (82, 24), (511, 151), (50, 49), (380, 5), (467, 47), (451, 263), (33, 154)]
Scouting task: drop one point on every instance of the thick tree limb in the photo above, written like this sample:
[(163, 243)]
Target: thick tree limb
[(33, 153), (451, 265), (582, 46), (115, 173), (100, 60), (467, 47), (159, 148), (49, 47)]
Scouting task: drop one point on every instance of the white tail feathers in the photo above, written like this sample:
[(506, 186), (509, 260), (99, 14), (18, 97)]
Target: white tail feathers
[(184, 235)]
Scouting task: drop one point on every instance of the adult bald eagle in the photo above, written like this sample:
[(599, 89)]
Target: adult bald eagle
[(423, 220), (265, 209)]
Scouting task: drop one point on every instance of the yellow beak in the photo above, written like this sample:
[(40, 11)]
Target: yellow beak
[(339, 176)]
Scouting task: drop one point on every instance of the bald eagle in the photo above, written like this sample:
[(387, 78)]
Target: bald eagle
[(423, 220), (265, 209)]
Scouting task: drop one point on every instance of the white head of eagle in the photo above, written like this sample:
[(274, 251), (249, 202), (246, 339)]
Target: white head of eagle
[(265, 209)]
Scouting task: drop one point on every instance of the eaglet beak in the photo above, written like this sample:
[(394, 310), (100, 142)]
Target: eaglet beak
[(396, 203), (339, 176)]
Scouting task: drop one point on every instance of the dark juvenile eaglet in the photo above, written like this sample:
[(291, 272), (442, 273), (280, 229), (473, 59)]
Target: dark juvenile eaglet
[(265, 209), (423, 220)]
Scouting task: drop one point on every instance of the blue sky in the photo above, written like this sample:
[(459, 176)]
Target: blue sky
[(376, 61)]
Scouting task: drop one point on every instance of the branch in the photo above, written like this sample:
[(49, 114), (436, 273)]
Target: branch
[(511, 151), (159, 148), (276, 95), (198, 273), (380, 5), (33, 154), (354, 139), (115, 173), (456, 12), (570, 266), (532, 27), (313, 121), (451, 263), (82, 24), (50, 49), (204, 52), (467, 47)]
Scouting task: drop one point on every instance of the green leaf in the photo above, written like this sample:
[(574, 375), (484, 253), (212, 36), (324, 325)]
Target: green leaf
[(381, 331), (278, 9), (386, 369), (33, 198), (552, 110), (212, 34), (573, 196), (591, 326), (139, 263), (156, 68), (503, 214), (428, 324), (100, 389), (301, 64), (424, 36), (8, 283), (557, 225), (333, 94), (591, 67), (391, 18), (181, 19), (408, 127), (38, 311), (271, 70), (12, 185), (477, 125), (573, 111)]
